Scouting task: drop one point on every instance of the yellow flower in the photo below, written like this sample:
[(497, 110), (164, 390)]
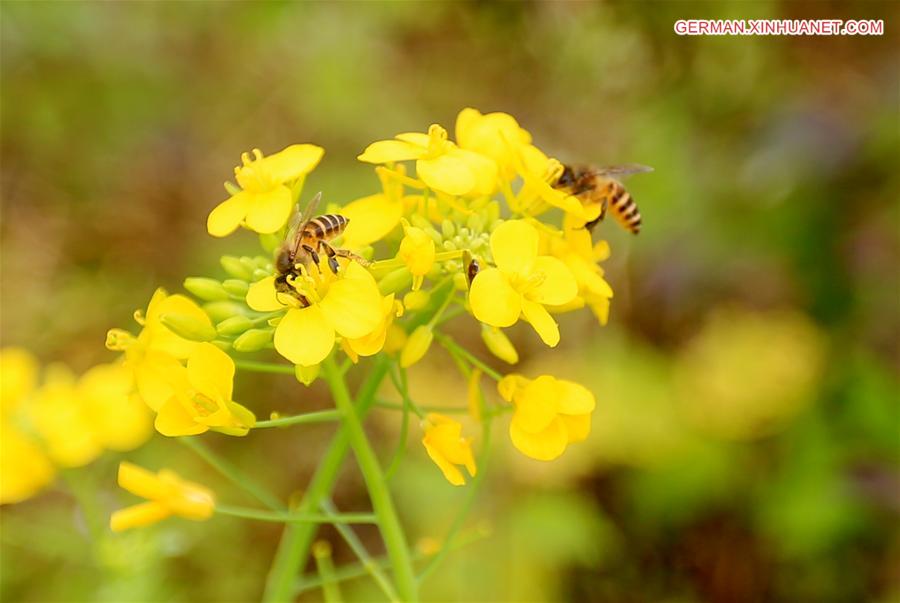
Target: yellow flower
[(156, 352), (447, 448), (347, 304), (24, 467), (522, 283), (18, 376), (372, 218), (494, 135), (537, 194), (550, 414), (440, 164), (202, 397), (62, 420), (579, 253), (372, 343), (265, 201), (167, 494), (119, 419), (417, 252)]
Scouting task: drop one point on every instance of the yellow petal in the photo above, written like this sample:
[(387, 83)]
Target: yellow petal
[(18, 375), (228, 215), (574, 398), (24, 467), (262, 296), (386, 151), (542, 322), (138, 516), (121, 421), (141, 482), (173, 420), (557, 286), (353, 304), (157, 376), (447, 174), (417, 251), (536, 406), (268, 211), (578, 427), (211, 372), (370, 219), (163, 340), (484, 169), (515, 246), (304, 336), (511, 385), (293, 162), (450, 471), (187, 499), (420, 139), (493, 300), (496, 135), (544, 446)]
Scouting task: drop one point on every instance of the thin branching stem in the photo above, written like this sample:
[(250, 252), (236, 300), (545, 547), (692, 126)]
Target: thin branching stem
[(287, 517), (320, 416)]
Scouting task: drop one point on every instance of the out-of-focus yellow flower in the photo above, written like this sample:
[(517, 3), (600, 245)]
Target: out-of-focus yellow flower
[(522, 283), (495, 135), (447, 448), (372, 343), (120, 419), (417, 252), (440, 164), (202, 397), (372, 218), (347, 304), (18, 375), (24, 467), (265, 201), (550, 414), (579, 253), (166, 493), (156, 352), (62, 421)]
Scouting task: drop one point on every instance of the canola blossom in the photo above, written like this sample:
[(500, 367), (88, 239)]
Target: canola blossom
[(472, 230)]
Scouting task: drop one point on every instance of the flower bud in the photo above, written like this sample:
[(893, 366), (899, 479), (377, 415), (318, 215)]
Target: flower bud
[(415, 300), (236, 268), (259, 274), (395, 281), (253, 340), (220, 310), (394, 340), (188, 327), (499, 344), (416, 346), (236, 287), (306, 374), (448, 229), (234, 325), (207, 289)]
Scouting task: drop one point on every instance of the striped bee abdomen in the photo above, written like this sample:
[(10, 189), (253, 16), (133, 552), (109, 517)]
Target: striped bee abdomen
[(625, 209), (326, 226)]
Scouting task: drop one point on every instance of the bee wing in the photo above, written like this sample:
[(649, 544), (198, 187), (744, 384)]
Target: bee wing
[(622, 170), (299, 220)]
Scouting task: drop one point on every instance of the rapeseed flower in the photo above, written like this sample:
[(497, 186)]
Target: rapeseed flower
[(580, 254), (495, 135), (550, 414), (266, 198), (166, 493), (201, 397), (417, 252), (440, 164), (522, 283), (119, 419), (346, 304), (447, 448)]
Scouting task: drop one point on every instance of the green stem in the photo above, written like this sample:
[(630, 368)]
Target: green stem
[(233, 473), (320, 416), (389, 523), (264, 367), (330, 587), (286, 517), (454, 348), (297, 538)]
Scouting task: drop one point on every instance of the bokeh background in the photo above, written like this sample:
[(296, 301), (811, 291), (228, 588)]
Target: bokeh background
[(745, 446)]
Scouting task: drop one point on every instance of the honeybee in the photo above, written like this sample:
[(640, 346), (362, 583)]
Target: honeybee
[(599, 186), (306, 239)]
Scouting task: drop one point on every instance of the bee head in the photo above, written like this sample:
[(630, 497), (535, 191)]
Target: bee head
[(567, 178), (284, 263)]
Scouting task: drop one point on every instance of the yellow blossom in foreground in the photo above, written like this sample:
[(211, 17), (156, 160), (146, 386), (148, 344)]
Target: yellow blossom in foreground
[(447, 448), (347, 304), (372, 343), (522, 283), (417, 252), (494, 135), (373, 217), (167, 494), (550, 414), (440, 164), (265, 201), (202, 397), (156, 352)]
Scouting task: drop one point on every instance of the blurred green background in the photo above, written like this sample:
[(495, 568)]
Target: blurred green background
[(745, 446)]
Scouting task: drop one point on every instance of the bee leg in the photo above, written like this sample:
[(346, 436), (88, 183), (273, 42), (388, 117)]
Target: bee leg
[(343, 253), (593, 223), (312, 253), (332, 260)]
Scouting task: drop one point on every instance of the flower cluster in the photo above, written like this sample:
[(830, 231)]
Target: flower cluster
[(61, 421)]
